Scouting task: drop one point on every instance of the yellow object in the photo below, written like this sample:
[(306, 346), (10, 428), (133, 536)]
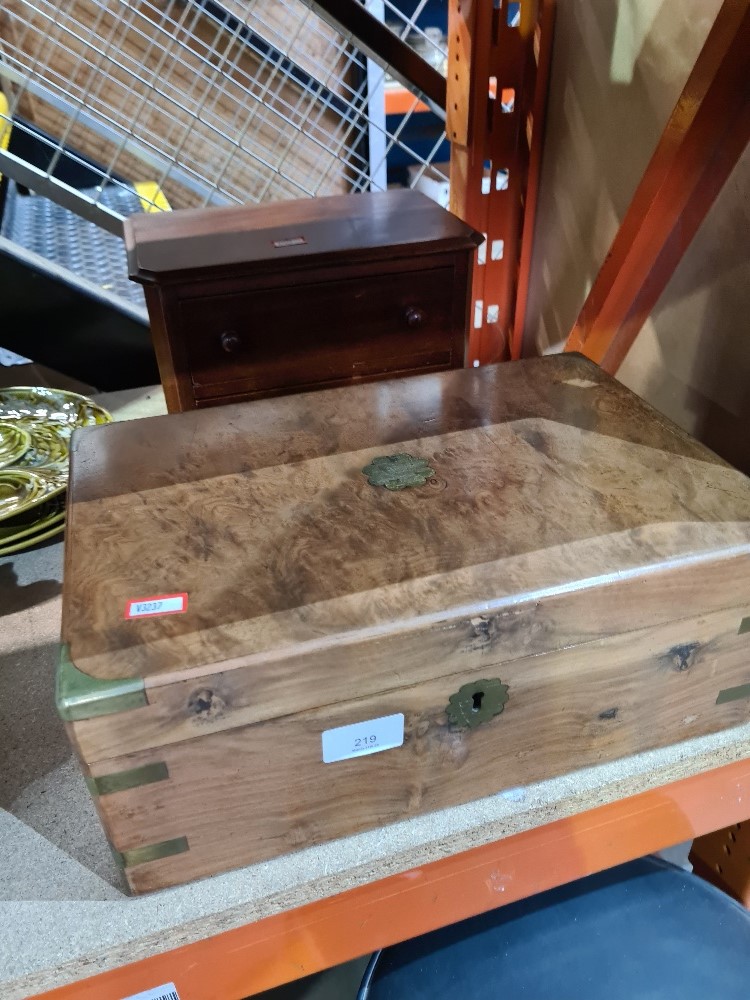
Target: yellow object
[(4, 121), (5, 125), (152, 197)]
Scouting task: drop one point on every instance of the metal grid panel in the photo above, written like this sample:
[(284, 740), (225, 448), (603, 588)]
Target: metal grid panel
[(63, 238), (405, 17), (219, 103)]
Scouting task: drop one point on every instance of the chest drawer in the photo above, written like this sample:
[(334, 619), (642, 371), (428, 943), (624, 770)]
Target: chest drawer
[(324, 333), (250, 301)]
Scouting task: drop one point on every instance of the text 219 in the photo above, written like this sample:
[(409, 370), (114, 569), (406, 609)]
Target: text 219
[(365, 742)]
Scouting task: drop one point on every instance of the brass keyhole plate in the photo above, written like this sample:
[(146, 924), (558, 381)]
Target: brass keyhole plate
[(476, 703)]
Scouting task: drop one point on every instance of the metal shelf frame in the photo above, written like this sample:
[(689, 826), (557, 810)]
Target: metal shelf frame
[(270, 952)]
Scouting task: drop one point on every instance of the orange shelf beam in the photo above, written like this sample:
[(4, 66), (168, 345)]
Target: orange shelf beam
[(398, 101), (289, 945)]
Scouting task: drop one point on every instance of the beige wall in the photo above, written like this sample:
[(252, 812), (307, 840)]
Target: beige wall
[(692, 360), (618, 68)]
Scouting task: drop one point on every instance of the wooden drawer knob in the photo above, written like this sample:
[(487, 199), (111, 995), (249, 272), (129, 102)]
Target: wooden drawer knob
[(414, 317), (230, 341)]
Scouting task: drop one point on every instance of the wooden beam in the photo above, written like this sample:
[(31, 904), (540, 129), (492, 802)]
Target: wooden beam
[(705, 136)]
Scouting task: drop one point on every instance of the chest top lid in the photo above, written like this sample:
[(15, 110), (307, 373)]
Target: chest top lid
[(359, 226), (545, 474)]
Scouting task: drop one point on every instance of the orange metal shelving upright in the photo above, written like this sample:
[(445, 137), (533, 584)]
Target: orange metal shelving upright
[(498, 75)]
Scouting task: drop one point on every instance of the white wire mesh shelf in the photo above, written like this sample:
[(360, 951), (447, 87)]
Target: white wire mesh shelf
[(231, 102)]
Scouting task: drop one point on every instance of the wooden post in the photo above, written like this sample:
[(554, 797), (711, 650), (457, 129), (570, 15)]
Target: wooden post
[(705, 136)]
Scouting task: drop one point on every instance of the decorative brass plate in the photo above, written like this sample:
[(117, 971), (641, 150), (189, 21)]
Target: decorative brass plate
[(48, 447), (54, 526), (52, 406), (477, 702), (21, 489), (36, 424), (397, 472), (14, 442)]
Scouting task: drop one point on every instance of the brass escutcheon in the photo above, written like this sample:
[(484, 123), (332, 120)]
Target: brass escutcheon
[(397, 472), (476, 703)]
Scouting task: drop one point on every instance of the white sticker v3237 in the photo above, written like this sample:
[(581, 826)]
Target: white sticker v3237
[(160, 604)]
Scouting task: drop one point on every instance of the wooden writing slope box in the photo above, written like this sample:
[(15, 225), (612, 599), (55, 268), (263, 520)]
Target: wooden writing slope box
[(572, 559), (261, 301)]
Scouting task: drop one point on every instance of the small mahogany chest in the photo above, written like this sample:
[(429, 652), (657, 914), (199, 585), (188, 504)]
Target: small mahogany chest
[(292, 619), (261, 301)]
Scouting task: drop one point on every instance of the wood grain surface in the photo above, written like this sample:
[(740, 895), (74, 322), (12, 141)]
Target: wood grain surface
[(378, 225), (571, 544), (375, 337), (262, 514), (250, 793), (212, 697)]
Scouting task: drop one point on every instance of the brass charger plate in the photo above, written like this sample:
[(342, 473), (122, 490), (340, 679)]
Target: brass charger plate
[(36, 424), (50, 531), (57, 406), (22, 489), (33, 521), (48, 446), (14, 442)]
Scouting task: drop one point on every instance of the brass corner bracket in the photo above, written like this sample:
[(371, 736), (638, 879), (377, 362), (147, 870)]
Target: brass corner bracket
[(79, 696)]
